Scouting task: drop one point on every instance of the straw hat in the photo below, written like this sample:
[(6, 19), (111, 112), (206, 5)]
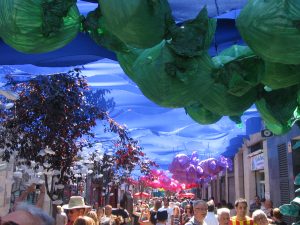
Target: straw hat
[(76, 202)]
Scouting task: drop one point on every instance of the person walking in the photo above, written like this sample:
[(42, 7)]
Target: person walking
[(200, 211), (75, 208)]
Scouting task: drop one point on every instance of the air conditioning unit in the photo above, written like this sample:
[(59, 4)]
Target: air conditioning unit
[(266, 133)]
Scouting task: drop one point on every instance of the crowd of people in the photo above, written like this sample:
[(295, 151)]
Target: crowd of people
[(154, 211), (173, 211)]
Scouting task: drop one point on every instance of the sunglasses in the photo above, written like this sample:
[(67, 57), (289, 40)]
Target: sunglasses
[(71, 211)]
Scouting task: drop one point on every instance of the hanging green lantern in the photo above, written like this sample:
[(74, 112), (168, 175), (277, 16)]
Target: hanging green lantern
[(170, 80), (277, 108), (138, 23), (271, 28), (37, 26), (201, 115), (278, 75)]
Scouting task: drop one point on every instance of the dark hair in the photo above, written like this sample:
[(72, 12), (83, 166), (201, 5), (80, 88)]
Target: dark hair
[(191, 208), (229, 205), (122, 203), (211, 206), (240, 200), (162, 215)]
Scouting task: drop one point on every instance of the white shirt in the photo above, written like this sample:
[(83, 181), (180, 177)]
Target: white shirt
[(211, 219)]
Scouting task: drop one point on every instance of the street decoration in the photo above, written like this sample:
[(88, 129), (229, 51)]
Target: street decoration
[(170, 62)]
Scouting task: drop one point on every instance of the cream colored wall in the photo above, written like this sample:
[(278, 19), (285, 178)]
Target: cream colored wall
[(267, 173), (5, 184), (238, 174)]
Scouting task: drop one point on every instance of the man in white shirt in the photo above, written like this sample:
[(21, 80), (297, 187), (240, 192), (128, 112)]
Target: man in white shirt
[(211, 217), (169, 210)]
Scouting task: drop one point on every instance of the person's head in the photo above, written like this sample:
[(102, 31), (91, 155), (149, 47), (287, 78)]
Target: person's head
[(108, 210), (84, 220), (100, 212), (26, 214), (96, 205), (257, 199), (277, 214), (162, 215), (59, 209), (166, 202), (259, 217), (176, 211), (157, 205), (93, 215), (75, 208), (200, 210), (268, 204), (188, 209), (241, 208), (211, 206), (223, 216)]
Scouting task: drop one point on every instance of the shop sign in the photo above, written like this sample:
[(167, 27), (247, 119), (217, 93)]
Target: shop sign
[(257, 162)]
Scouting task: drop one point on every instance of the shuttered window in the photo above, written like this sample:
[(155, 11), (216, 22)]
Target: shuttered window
[(284, 178)]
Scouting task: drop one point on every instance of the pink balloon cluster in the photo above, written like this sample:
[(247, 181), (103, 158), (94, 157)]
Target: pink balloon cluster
[(189, 169), (160, 179)]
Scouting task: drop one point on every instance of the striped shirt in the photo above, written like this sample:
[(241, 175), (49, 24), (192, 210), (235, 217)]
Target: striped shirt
[(247, 221)]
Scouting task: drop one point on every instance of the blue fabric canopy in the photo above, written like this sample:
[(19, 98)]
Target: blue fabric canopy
[(163, 132)]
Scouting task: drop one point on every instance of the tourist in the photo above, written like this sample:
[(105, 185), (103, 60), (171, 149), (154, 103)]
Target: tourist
[(241, 211), (259, 217), (223, 215), (255, 205), (200, 211), (211, 217), (84, 220), (75, 208)]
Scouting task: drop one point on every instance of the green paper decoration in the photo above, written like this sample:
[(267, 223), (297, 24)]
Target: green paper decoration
[(95, 27), (289, 210), (138, 23), (297, 179), (277, 109), (298, 190), (22, 26), (239, 69), (201, 115), (193, 37), (296, 201), (170, 80), (272, 29), (279, 75)]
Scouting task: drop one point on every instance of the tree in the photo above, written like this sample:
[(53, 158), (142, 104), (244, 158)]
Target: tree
[(49, 123)]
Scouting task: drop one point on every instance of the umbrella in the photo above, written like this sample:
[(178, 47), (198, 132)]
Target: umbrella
[(141, 195), (186, 195)]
